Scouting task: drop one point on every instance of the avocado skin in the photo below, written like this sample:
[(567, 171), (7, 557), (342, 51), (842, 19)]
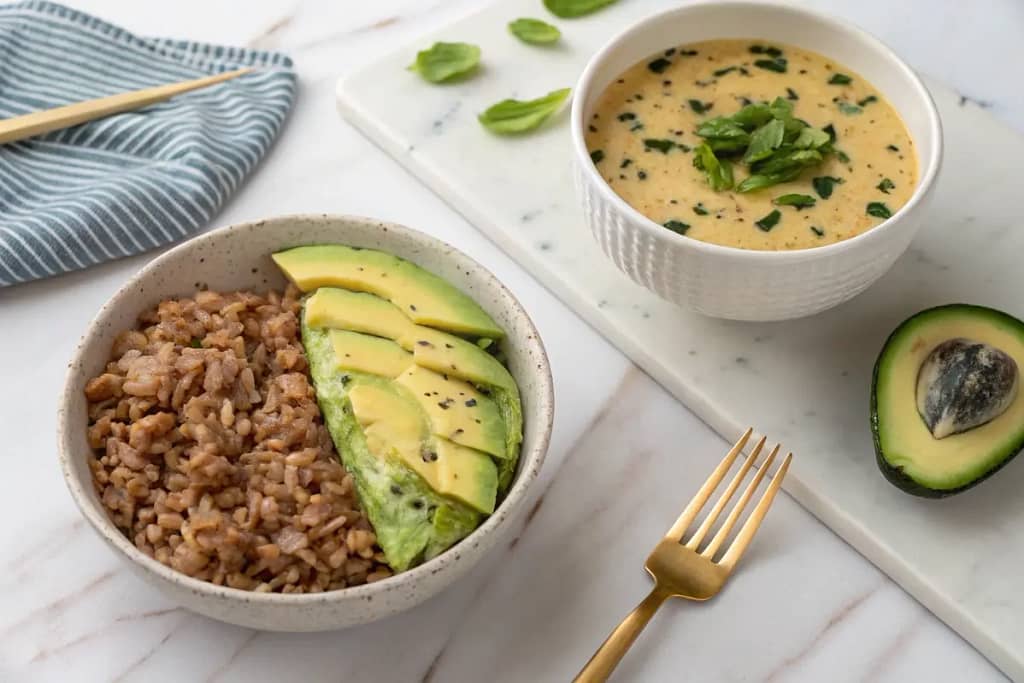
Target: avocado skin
[(895, 475)]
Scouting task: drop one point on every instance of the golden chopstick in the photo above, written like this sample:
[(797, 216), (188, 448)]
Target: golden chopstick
[(47, 120)]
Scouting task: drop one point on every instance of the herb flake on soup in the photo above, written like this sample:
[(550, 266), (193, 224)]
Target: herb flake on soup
[(713, 82)]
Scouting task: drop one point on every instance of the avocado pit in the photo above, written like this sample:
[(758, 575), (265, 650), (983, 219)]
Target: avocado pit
[(963, 384)]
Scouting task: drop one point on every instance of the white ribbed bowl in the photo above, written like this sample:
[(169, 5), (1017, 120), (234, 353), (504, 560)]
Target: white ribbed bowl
[(740, 284)]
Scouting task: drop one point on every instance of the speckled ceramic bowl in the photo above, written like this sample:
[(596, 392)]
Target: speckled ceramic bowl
[(238, 257)]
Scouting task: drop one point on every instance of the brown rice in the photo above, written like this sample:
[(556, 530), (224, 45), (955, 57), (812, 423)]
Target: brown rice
[(212, 457)]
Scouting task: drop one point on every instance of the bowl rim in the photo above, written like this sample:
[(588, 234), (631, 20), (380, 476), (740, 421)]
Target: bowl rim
[(585, 83), (530, 462)]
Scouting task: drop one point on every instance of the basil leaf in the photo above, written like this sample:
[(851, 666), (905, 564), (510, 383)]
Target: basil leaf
[(663, 146), (885, 185), (842, 156), (811, 138), (824, 185), (764, 141), (770, 221), (848, 109), (597, 156), (534, 31), (878, 210), (718, 172), (778, 64), (659, 65), (765, 50), (800, 201), (568, 9), (785, 159), (677, 226), (752, 116), (699, 107), (518, 116), (781, 108), (722, 128), (444, 62), (759, 181), (840, 79)]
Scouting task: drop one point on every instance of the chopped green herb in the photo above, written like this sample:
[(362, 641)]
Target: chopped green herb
[(847, 108), (817, 231), (769, 221), (831, 130), (840, 79), (534, 31), (688, 53), (764, 141), (765, 50), (663, 146), (778, 64), (892, 148), (659, 65), (625, 162), (626, 116), (699, 209), (878, 210), (885, 185), (842, 156), (518, 116), (642, 175), (824, 185), (791, 94), (568, 9), (699, 107), (597, 156), (867, 100), (635, 127), (717, 171), (677, 226), (445, 62), (724, 71), (800, 201)]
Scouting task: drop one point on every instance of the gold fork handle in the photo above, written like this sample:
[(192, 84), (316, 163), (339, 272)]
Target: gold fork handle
[(608, 656)]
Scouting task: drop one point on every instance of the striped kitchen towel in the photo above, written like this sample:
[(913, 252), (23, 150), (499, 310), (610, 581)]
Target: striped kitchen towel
[(131, 182)]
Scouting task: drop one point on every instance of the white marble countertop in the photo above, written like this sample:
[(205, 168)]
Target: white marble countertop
[(625, 455)]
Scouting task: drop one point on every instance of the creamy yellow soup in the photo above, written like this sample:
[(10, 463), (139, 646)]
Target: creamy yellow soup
[(642, 137)]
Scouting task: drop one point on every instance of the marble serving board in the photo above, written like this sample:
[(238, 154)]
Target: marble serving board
[(804, 382)]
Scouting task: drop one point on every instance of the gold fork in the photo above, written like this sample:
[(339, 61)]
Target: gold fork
[(684, 570)]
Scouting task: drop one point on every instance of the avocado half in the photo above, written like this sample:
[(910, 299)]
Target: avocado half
[(908, 455)]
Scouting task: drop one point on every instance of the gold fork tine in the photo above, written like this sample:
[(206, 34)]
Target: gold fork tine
[(694, 506), (724, 499), (749, 528), (730, 521)]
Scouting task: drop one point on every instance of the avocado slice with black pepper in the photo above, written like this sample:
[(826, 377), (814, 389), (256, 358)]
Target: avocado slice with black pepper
[(946, 410), (424, 297)]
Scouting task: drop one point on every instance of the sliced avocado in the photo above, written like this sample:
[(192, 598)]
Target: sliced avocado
[(467, 474), (432, 349), (366, 353), (426, 298), (394, 423), (356, 311), (457, 411), (412, 521), (943, 412)]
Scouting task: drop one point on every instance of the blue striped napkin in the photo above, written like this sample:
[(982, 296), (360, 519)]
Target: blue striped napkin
[(131, 182)]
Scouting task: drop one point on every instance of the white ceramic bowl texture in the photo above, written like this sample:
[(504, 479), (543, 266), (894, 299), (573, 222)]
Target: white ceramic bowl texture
[(727, 282), (238, 257)]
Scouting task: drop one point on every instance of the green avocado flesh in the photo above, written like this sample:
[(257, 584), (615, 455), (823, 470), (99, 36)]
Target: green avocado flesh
[(429, 424), (422, 296), (907, 452)]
